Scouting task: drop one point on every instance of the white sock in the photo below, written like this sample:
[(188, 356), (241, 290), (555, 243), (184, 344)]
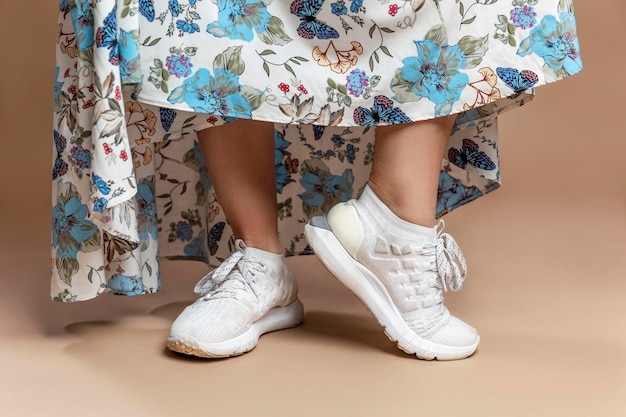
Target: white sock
[(392, 224)]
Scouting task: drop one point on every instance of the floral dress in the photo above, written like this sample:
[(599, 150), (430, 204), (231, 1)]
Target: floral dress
[(135, 79)]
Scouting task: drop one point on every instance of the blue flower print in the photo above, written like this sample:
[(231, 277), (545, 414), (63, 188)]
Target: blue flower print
[(70, 227), (128, 56), (280, 145), (435, 73), (147, 222), (238, 19), (187, 26), (350, 153), (64, 5), (205, 180), (337, 140), (178, 65), (173, 7), (120, 284), (102, 186), (556, 42), (356, 6), (283, 177), (356, 82), (100, 204), (219, 94), (324, 190), (81, 157), (196, 249), (58, 85), (183, 231), (452, 193), (524, 17), (83, 20), (338, 9)]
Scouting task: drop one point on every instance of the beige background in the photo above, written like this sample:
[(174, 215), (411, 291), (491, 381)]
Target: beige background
[(548, 297)]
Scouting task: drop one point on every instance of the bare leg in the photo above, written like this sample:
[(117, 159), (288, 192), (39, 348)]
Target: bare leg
[(240, 160), (407, 162), (252, 292)]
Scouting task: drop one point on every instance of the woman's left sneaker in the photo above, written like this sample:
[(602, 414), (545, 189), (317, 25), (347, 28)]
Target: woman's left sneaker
[(399, 270)]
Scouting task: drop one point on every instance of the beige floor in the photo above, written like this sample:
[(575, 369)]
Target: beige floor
[(546, 290)]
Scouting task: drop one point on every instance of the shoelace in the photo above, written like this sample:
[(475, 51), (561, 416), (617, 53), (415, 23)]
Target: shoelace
[(451, 265), (246, 267), (448, 263)]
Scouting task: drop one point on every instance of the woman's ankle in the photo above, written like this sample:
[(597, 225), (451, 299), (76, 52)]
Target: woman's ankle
[(407, 207)]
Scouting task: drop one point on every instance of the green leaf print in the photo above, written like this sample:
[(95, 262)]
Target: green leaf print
[(403, 89), (474, 49), (552, 75), (253, 96), (525, 47), (230, 60), (275, 34), (438, 35), (67, 269), (566, 6)]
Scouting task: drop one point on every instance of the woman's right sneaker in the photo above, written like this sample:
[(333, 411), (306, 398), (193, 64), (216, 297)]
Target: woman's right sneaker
[(399, 270), (251, 293)]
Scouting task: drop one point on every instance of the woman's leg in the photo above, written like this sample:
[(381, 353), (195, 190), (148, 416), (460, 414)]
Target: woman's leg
[(407, 163), (240, 160), (385, 247), (252, 292)]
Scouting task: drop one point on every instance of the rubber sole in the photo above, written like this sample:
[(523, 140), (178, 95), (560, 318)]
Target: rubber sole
[(279, 318), (373, 294)]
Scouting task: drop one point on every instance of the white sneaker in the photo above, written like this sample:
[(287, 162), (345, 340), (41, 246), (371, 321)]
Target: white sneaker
[(399, 270), (251, 293)]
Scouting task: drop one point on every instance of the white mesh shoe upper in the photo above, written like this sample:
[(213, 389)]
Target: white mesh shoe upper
[(234, 295), (415, 264)]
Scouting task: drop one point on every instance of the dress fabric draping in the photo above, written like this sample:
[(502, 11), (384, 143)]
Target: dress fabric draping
[(135, 79)]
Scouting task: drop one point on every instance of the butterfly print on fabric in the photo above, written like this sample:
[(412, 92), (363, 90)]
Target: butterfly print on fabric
[(60, 166), (106, 36), (310, 27), (382, 111), (215, 234), (146, 8), (518, 81), (115, 244), (469, 154), (318, 131)]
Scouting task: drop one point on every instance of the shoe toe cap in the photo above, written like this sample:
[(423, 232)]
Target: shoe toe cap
[(207, 322), (456, 333)]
